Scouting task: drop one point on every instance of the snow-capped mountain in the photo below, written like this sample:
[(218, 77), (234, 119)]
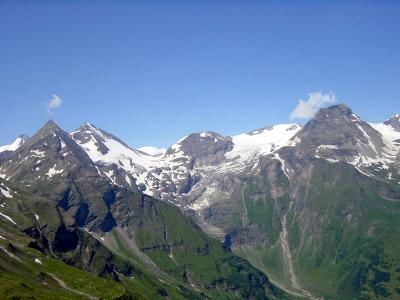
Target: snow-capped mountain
[(191, 172), (14, 145), (195, 172), (337, 134), (50, 152), (171, 174), (121, 164)]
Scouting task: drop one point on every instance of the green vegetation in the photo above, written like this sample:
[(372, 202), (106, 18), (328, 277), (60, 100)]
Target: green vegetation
[(182, 261), (344, 233), (187, 255), (26, 273)]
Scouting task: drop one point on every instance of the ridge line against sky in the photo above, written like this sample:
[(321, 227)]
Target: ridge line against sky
[(152, 72)]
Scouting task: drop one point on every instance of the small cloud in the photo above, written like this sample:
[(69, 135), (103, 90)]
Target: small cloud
[(54, 103), (307, 109)]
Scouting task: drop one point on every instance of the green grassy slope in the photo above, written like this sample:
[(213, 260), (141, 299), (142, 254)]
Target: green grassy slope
[(187, 263), (26, 273), (187, 255), (344, 232), (350, 245)]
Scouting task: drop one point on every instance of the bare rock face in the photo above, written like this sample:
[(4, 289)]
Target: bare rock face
[(50, 164), (49, 152), (206, 148), (337, 133)]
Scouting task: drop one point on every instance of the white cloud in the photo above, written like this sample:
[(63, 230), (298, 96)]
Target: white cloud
[(306, 109), (54, 103)]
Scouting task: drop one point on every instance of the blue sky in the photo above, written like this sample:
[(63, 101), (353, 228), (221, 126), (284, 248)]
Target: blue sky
[(151, 72)]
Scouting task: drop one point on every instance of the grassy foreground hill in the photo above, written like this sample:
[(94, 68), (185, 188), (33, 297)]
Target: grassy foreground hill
[(166, 256)]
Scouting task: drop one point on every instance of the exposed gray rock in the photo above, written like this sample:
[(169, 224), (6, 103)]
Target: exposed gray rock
[(394, 122)]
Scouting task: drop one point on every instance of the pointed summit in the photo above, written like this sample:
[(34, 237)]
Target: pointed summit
[(87, 131), (50, 123), (49, 126), (51, 151)]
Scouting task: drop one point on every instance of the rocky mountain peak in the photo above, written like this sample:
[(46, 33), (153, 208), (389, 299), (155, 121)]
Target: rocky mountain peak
[(50, 135), (338, 134), (331, 125), (204, 147), (335, 112), (48, 127), (89, 133), (394, 122), (51, 152), (334, 125)]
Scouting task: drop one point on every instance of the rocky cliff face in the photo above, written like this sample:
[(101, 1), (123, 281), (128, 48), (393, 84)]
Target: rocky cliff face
[(336, 134)]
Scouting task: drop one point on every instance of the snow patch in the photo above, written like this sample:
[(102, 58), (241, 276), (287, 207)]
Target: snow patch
[(205, 135), (38, 153), (283, 165), (327, 147), (8, 218), (128, 180), (154, 151), (9, 253), (6, 192), (62, 143), (263, 141), (52, 171)]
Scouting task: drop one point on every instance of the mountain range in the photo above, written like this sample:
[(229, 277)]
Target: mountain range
[(281, 212)]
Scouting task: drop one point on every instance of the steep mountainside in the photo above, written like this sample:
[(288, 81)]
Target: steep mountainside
[(314, 207), (65, 213)]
